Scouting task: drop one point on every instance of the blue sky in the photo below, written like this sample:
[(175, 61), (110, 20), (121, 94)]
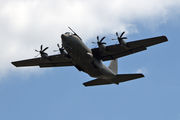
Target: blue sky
[(58, 93)]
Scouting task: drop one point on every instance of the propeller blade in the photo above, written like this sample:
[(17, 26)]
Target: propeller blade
[(61, 50), (124, 38), (45, 49), (36, 50), (37, 55), (117, 34), (98, 38), (122, 34), (41, 47), (55, 50), (102, 39), (58, 45), (103, 43)]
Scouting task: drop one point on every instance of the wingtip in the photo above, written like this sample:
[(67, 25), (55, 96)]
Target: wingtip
[(141, 75), (13, 63), (85, 85), (165, 38)]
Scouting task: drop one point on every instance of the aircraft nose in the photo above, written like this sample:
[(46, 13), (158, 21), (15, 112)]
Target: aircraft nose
[(64, 36)]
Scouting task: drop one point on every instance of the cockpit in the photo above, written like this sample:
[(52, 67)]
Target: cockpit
[(69, 33)]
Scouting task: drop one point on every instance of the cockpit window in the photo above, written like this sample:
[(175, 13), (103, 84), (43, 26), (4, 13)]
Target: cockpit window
[(69, 33)]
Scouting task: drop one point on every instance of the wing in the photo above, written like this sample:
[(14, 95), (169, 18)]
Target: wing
[(116, 51), (53, 61)]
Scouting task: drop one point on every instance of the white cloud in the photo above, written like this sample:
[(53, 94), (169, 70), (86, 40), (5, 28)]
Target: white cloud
[(25, 25), (142, 70)]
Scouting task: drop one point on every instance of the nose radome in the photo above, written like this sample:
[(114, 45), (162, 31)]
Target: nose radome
[(63, 36)]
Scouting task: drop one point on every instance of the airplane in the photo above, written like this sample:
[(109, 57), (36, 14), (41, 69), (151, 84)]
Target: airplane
[(75, 53)]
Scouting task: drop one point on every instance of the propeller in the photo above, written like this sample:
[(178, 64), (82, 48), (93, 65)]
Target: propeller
[(99, 42), (120, 38), (41, 51), (61, 49)]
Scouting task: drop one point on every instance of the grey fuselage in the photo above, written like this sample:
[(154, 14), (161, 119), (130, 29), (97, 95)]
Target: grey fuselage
[(83, 58)]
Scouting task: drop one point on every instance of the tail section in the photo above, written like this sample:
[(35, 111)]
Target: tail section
[(119, 78), (114, 66)]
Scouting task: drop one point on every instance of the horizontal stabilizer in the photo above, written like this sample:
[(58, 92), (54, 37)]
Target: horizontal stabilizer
[(97, 82), (126, 77), (119, 78)]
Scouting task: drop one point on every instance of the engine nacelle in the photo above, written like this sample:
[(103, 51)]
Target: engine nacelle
[(103, 48), (44, 56), (123, 44)]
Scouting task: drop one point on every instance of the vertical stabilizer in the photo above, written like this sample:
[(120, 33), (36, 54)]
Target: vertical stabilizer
[(113, 66)]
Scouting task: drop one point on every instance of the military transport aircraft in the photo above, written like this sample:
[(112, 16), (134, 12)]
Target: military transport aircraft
[(75, 53)]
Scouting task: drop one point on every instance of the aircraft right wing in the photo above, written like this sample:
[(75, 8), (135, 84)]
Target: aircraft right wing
[(52, 61), (116, 51)]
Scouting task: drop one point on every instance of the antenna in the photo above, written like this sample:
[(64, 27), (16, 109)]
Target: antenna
[(72, 30), (75, 33)]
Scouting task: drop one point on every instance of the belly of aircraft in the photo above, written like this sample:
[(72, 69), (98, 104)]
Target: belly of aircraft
[(83, 60), (85, 64)]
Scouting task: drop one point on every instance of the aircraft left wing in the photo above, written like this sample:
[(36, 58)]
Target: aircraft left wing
[(116, 51), (52, 61)]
